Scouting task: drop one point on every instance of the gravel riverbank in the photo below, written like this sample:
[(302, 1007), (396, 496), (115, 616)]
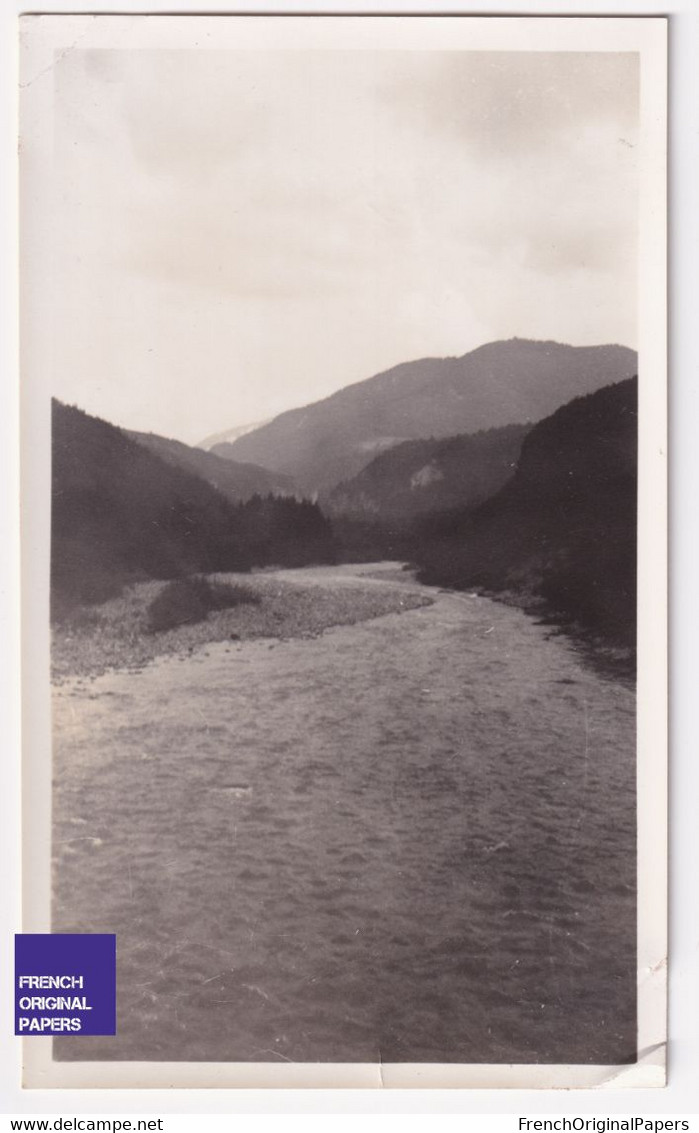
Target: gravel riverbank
[(115, 635)]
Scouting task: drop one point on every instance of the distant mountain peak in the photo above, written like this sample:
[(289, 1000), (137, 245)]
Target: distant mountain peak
[(507, 382), (230, 435)]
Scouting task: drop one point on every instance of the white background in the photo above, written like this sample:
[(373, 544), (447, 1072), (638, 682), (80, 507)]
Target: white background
[(682, 1094)]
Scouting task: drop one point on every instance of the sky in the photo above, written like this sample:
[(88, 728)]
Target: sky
[(240, 232)]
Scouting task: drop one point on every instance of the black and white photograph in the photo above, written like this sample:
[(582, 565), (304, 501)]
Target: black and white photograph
[(343, 347)]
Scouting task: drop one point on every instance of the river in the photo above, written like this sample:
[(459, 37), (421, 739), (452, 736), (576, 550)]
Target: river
[(408, 839)]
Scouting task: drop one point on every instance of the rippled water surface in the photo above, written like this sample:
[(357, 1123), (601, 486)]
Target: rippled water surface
[(410, 839)]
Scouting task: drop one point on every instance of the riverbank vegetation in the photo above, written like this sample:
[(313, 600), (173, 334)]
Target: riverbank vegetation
[(558, 539)]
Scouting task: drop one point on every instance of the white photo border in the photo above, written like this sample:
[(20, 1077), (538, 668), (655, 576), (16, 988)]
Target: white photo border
[(43, 35)]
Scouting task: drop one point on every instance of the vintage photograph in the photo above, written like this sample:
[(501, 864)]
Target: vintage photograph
[(342, 327)]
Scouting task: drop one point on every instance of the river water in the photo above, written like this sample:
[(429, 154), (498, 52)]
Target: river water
[(409, 839)]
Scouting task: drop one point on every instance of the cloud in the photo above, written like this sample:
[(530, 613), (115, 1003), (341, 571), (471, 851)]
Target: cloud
[(506, 103), (279, 224)]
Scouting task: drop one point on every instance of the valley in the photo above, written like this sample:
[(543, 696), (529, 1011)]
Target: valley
[(352, 777)]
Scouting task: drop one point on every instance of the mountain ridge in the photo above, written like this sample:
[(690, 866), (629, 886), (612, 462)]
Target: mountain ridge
[(237, 480), (516, 381), (435, 474)]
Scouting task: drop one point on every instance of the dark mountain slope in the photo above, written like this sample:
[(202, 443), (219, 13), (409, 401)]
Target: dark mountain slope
[(502, 383), (235, 480), (120, 513), (563, 530), (433, 475)]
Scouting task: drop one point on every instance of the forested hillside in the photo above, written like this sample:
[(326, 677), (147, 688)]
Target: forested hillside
[(431, 475), (121, 514), (563, 530)]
